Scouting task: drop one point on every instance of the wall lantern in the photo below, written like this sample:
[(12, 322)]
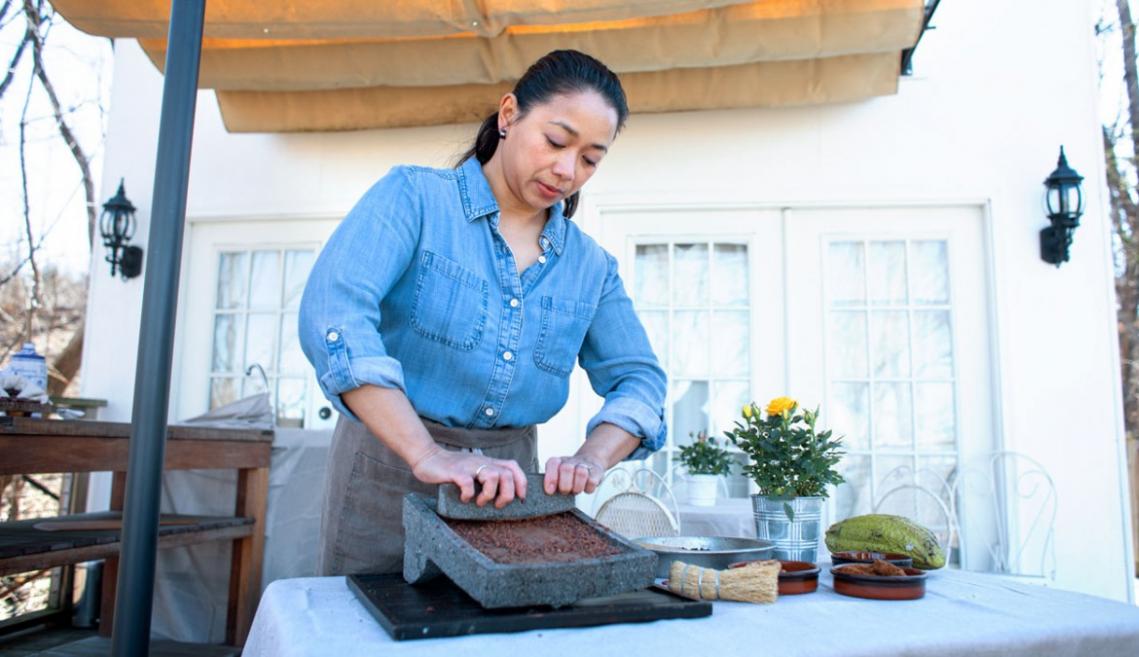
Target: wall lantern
[(1065, 202), (117, 228)]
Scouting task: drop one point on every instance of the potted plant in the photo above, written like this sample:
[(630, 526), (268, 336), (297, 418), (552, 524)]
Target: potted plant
[(791, 462), (705, 462)]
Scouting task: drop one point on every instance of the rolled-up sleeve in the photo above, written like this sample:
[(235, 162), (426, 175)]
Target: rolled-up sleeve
[(622, 368), (339, 316)]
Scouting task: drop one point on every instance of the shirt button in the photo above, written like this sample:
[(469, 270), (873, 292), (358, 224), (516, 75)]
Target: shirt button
[(542, 259), (507, 355), (545, 243), (514, 303), (332, 336), (489, 412)]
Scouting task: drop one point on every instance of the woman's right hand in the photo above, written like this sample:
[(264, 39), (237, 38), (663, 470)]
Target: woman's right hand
[(501, 480)]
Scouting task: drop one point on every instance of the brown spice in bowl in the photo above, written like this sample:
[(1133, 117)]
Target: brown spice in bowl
[(879, 568), (553, 539)]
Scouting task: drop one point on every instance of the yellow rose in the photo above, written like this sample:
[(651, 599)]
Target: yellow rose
[(780, 405), (747, 410)]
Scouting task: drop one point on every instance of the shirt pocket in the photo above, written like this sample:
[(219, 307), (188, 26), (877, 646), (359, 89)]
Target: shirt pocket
[(562, 332), (450, 303)]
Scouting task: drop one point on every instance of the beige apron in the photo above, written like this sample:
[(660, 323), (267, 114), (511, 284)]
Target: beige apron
[(361, 525)]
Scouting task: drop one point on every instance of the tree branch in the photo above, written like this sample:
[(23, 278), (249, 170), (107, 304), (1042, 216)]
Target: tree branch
[(35, 300), (35, 20), (12, 65)]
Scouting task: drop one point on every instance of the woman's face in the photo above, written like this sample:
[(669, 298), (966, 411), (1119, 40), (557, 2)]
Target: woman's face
[(551, 151)]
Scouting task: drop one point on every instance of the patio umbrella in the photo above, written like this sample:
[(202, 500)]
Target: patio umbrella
[(304, 65)]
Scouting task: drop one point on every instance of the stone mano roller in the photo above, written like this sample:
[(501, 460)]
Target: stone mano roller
[(537, 504)]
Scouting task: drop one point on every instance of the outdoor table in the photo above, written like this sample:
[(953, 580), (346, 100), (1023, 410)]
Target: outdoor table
[(962, 613), (29, 445)]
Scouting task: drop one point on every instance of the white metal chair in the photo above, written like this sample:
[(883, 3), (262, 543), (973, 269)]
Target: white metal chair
[(636, 504), (1018, 495), (905, 489)]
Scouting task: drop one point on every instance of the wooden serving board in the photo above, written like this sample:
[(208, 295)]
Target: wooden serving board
[(440, 609)]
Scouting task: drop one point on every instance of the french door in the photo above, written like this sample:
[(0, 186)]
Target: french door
[(238, 333), (878, 315)]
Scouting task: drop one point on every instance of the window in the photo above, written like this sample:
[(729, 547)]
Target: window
[(255, 323), (694, 300), (891, 371)]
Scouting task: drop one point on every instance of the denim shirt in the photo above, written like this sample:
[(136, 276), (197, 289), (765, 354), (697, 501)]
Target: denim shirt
[(418, 290)]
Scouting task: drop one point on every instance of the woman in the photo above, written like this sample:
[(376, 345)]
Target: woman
[(446, 312)]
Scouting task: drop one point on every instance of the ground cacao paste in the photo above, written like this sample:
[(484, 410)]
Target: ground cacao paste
[(552, 539)]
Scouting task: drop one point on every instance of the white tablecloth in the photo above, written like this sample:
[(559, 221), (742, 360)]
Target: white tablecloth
[(962, 614), (730, 517)]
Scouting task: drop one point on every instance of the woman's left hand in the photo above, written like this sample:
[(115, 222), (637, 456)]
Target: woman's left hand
[(570, 475)]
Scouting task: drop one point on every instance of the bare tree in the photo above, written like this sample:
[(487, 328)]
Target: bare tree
[(39, 18)]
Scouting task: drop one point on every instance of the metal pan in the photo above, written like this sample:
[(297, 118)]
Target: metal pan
[(707, 551)]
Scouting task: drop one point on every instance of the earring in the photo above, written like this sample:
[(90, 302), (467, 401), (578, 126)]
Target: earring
[(502, 133)]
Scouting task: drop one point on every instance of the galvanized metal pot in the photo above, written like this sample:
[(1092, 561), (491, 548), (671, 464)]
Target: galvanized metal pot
[(794, 524)]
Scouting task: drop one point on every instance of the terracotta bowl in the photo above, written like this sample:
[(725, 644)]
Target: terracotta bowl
[(795, 577), (900, 560), (910, 586)]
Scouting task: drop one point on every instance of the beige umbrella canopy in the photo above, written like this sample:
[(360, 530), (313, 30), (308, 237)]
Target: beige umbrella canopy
[(298, 65)]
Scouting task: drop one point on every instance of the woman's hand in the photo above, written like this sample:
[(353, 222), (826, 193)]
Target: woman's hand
[(501, 480), (570, 475)]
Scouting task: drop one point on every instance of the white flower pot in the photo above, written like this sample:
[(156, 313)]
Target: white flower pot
[(702, 489)]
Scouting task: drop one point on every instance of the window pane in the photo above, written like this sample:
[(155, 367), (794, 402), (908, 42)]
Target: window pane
[(291, 402), (265, 284), (233, 273), (651, 275), (890, 344), (261, 341), (690, 275), (728, 401), (933, 345), (298, 264), (689, 410), (935, 415), (845, 263), (852, 497), (729, 275), (227, 343), (850, 414), (730, 354), (886, 272), (929, 272), (847, 345), (690, 344), (656, 326), (292, 358), (222, 391), (892, 427)]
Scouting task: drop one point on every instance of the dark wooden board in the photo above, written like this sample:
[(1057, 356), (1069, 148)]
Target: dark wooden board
[(440, 609)]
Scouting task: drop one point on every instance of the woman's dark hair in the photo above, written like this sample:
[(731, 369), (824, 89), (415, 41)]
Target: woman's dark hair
[(559, 72)]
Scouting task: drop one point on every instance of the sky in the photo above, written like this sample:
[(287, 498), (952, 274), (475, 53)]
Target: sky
[(80, 67)]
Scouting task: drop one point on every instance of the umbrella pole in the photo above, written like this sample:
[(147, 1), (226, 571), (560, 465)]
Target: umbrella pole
[(131, 629)]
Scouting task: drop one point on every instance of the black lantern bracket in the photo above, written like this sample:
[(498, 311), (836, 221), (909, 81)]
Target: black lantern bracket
[(117, 226), (1065, 204)]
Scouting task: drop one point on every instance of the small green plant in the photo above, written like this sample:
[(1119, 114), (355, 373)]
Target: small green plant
[(705, 457), (788, 455)]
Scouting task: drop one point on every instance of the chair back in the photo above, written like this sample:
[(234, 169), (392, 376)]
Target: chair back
[(636, 504)]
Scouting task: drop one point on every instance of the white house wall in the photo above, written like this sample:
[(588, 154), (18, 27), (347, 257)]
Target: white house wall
[(998, 88)]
